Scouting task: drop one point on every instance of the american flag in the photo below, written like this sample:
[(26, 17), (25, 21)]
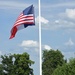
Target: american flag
[(26, 18)]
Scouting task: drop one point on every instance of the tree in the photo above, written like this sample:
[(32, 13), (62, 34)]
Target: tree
[(66, 69), (51, 59), (16, 64), (1, 70)]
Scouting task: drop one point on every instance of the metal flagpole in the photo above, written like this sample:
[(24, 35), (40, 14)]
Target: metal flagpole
[(40, 39)]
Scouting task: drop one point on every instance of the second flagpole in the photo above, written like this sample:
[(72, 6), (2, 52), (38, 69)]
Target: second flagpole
[(40, 50)]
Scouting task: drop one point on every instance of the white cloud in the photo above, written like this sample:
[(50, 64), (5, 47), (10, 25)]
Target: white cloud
[(58, 5), (43, 20), (0, 53), (47, 47), (64, 24), (59, 24), (68, 55), (57, 21), (11, 5), (29, 43), (69, 42), (63, 19), (70, 13)]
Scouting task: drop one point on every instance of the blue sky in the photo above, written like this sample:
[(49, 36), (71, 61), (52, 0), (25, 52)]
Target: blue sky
[(58, 25), (58, 28)]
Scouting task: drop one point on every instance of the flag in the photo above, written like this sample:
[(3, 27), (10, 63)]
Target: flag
[(25, 19)]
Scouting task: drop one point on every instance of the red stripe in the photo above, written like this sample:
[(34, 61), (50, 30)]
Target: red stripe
[(13, 32)]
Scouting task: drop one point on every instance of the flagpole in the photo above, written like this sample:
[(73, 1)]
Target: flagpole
[(40, 52)]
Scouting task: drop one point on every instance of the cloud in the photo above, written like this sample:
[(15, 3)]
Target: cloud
[(59, 24), (63, 19), (69, 42), (43, 20), (66, 21), (29, 43), (0, 53), (58, 5), (47, 47), (11, 5), (68, 55), (57, 21), (70, 13)]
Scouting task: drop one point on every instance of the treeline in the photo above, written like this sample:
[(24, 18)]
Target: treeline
[(55, 64)]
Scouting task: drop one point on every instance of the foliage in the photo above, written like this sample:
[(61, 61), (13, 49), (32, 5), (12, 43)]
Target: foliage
[(1, 70), (66, 69), (16, 64), (51, 59)]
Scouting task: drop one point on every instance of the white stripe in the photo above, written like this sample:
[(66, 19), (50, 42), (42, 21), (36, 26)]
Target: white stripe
[(29, 15), (19, 27), (23, 22)]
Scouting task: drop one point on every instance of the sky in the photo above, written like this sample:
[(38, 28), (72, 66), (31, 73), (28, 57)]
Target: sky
[(58, 28), (58, 25)]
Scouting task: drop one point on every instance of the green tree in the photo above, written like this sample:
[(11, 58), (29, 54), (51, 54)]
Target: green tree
[(66, 69), (16, 64), (51, 59), (1, 70)]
